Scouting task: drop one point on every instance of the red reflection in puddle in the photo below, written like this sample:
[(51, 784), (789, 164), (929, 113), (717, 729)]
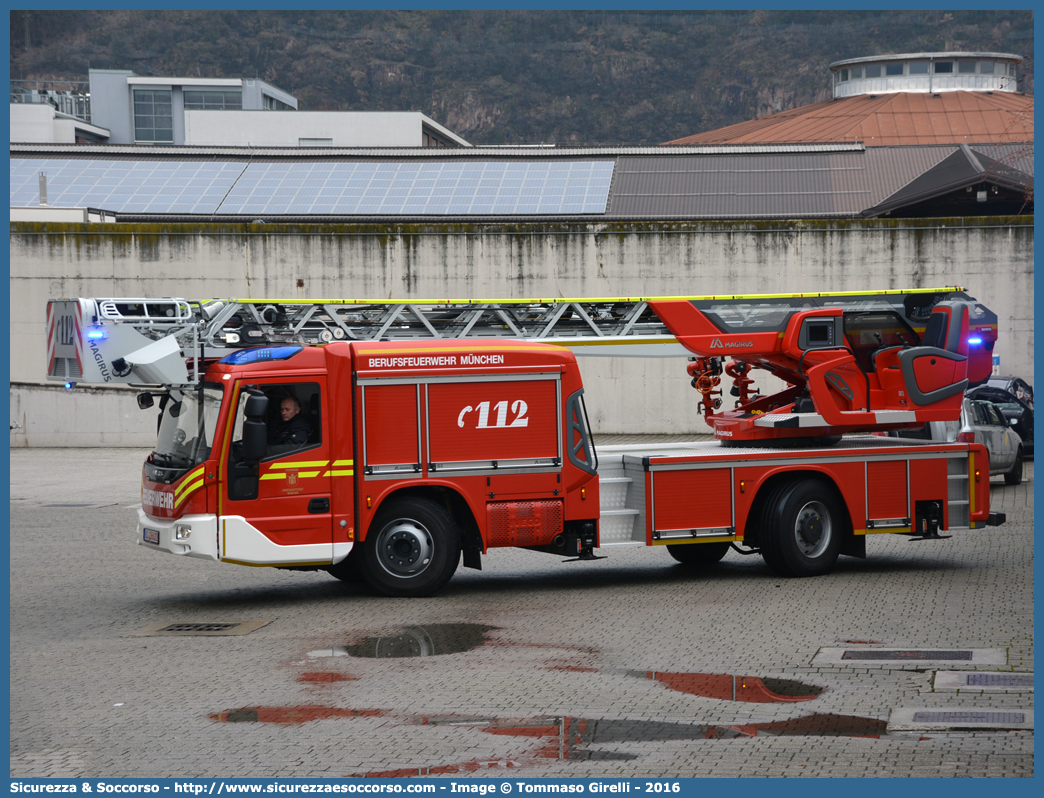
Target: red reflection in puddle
[(325, 677), (473, 766), (727, 687)]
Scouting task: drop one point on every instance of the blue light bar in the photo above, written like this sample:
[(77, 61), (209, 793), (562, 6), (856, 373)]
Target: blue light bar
[(261, 354), (95, 333), (974, 340)]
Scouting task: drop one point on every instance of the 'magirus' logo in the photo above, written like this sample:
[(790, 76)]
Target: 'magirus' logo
[(717, 344)]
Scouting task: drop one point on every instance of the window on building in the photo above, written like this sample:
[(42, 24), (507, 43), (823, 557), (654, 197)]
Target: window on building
[(213, 100), (943, 67), (918, 67), (844, 75), (966, 67), (893, 69), (873, 71), (985, 67), (272, 104), (857, 72), (1011, 70), (153, 120), (315, 142)]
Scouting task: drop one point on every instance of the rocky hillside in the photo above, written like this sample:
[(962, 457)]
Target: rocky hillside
[(582, 77)]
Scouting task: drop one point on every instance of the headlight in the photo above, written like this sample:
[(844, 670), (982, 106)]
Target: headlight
[(182, 532)]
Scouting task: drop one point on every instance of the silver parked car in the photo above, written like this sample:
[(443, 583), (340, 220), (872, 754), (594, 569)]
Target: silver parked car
[(981, 422)]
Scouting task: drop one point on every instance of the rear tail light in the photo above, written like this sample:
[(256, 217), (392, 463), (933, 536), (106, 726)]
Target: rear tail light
[(965, 437)]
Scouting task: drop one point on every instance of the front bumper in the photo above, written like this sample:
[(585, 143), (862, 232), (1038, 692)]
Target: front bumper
[(188, 536)]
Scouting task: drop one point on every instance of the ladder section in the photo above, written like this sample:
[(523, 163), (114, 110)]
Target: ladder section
[(598, 326)]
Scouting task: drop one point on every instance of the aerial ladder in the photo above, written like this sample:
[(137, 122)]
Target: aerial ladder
[(852, 361)]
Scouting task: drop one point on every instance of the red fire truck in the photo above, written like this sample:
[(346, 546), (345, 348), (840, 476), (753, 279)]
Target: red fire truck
[(410, 439)]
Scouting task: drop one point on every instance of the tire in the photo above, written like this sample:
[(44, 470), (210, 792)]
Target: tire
[(700, 555), (801, 528), (412, 548), (348, 570), (1014, 477)]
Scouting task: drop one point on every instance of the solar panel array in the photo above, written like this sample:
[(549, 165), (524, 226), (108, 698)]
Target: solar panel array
[(339, 188), (124, 186)]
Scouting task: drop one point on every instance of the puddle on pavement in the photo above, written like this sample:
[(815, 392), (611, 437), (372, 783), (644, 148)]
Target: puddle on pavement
[(564, 738), (430, 640), (821, 725), (565, 734), (325, 677), (292, 714), (728, 687)]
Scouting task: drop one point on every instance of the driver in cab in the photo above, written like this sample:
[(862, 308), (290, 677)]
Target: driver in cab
[(293, 431)]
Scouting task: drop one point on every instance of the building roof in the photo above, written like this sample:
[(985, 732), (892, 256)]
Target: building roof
[(527, 184), (958, 117)]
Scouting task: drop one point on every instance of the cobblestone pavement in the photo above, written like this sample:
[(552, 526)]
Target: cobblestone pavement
[(565, 668)]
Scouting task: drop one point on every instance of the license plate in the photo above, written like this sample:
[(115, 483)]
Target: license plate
[(150, 536)]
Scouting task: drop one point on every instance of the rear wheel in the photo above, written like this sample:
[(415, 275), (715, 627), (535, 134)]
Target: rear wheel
[(1014, 477), (802, 527), (701, 555), (411, 549)]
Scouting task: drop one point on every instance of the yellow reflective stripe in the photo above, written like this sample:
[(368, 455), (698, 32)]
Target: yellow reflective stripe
[(595, 342), (343, 462), (283, 476), (300, 464), (570, 300), (347, 473), (192, 475), (189, 490)]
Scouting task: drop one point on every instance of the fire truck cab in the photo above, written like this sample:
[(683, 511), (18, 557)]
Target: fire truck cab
[(413, 453)]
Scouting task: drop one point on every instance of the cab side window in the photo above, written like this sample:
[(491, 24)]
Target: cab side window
[(293, 421), (293, 418)]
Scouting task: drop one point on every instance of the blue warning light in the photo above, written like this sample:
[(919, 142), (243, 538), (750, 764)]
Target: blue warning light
[(261, 354)]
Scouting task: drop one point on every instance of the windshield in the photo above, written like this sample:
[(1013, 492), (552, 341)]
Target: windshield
[(188, 419)]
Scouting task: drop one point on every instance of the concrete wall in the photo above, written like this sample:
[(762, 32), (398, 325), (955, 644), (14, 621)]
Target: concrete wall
[(991, 257), (37, 122), (268, 129)]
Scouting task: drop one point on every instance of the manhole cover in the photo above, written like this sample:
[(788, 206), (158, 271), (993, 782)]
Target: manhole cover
[(969, 717), (168, 629), (911, 655)]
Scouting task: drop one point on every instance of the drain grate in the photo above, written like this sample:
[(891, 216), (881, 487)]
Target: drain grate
[(911, 655), (969, 717), (168, 629), (907, 657), (1000, 679), (198, 627), (984, 681)]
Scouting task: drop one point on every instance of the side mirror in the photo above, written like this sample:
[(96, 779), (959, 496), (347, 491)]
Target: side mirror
[(145, 401), (256, 406), (255, 431), (255, 439)]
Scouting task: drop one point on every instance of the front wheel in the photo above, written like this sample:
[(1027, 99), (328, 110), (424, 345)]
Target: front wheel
[(699, 555), (412, 548), (1014, 477), (802, 528)]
